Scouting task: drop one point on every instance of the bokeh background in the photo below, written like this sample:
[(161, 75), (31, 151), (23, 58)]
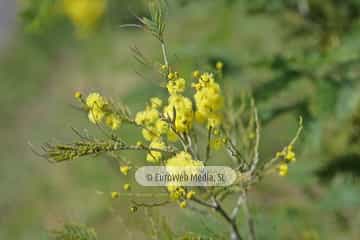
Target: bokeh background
[(297, 57)]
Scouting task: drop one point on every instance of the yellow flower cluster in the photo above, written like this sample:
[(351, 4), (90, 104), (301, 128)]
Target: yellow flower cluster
[(183, 159), (99, 109), (177, 164), (209, 103), (283, 169), (96, 104), (179, 194), (154, 121), (179, 109), (84, 14), (153, 155), (150, 120), (208, 100), (113, 121), (153, 128), (176, 84), (287, 156), (176, 192), (177, 116)]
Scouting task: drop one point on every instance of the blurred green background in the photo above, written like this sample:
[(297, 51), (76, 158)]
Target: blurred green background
[(297, 57)]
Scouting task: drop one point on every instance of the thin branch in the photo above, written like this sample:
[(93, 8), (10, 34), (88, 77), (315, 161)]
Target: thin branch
[(235, 234), (236, 209), (203, 203), (164, 53), (150, 205), (131, 26), (207, 153), (37, 153), (257, 142), (268, 165), (250, 220)]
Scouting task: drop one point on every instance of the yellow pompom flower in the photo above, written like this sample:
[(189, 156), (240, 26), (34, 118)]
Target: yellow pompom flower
[(176, 86), (196, 74), (176, 192), (283, 169), (207, 78), (161, 127), (179, 107), (95, 100), (113, 121), (125, 169), (150, 120), (183, 204), (171, 76), (208, 100), (78, 95), (149, 134), (219, 65), (127, 187), (163, 67), (190, 195), (199, 117), (154, 155), (290, 154), (96, 105), (114, 195), (214, 121), (287, 154), (84, 14), (182, 161), (96, 115), (155, 102), (147, 117), (140, 118)]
